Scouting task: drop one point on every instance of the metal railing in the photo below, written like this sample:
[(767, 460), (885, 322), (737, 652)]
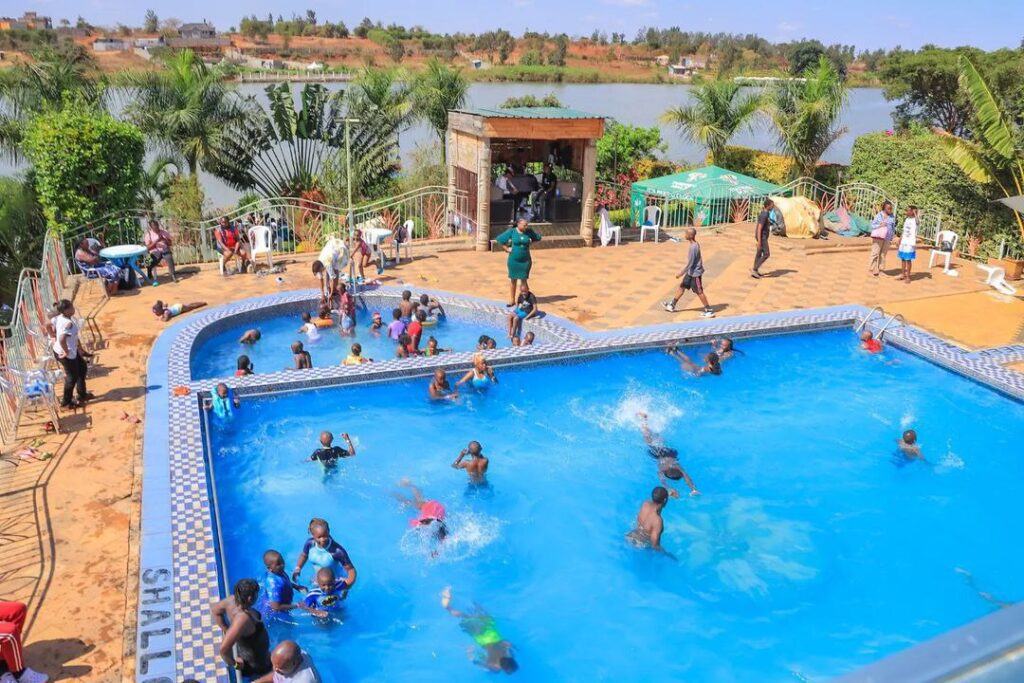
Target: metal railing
[(24, 343), (297, 225)]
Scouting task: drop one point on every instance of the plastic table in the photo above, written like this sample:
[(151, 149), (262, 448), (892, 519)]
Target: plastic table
[(125, 256)]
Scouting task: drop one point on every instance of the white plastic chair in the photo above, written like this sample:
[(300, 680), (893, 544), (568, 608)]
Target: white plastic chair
[(409, 226), (937, 252), (997, 279), (607, 230), (260, 242), (652, 215)]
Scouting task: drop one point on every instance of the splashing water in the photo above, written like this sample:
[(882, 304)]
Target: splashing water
[(908, 419), (660, 410), (468, 534)]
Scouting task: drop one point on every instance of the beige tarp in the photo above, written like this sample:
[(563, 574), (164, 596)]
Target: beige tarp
[(800, 216)]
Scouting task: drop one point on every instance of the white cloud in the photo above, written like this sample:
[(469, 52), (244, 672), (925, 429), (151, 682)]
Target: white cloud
[(787, 27), (626, 3)]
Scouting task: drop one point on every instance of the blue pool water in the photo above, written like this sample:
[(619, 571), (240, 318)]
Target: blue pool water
[(217, 356), (809, 553)]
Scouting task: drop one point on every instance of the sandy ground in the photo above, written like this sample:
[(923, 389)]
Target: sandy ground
[(67, 525)]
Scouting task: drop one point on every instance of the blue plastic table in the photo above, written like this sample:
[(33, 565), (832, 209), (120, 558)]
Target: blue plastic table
[(125, 256)]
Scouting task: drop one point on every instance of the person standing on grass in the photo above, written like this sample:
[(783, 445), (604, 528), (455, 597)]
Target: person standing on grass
[(907, 250), (692, 277), (883, 229), (516, 241), (761, 232)]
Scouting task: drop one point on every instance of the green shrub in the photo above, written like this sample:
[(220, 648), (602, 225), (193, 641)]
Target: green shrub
[(771, 168), (87, 164), (619, 217), (914, 168)]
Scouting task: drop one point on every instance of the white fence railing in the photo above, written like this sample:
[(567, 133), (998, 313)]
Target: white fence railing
[(297, 225)]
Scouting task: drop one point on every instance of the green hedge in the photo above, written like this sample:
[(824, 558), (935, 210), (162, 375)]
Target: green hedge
[(913, 168), (773, 168)]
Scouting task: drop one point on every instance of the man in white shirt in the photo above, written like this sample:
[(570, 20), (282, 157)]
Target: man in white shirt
[(291, 665), (505, 184)]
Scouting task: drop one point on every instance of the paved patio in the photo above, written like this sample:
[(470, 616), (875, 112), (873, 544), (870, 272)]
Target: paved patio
[(68, 537)]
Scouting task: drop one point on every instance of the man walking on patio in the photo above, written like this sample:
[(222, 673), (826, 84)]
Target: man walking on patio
[(761, 232)]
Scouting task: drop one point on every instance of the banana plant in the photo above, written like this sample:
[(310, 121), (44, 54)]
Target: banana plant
[(995, 153)]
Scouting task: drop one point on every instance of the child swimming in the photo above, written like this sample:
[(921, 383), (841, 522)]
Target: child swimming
[(668, 459), (245, 366), (405, 347), (303, 361), (356, 356), (250, 337), (347, 306), (440, 389), (496, 652), (328, 454), (908, 446), (376, 322), (431, 307), (433, 349), (277, 591), (324, 318), (724, 348), (165, 313), (528, 339), (476, 466), (869, 343), (309, 328), (712, 365)]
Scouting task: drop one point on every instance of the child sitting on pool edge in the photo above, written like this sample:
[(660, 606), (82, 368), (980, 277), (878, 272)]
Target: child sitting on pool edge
[(356, 357), (165, 313), (303, 361)]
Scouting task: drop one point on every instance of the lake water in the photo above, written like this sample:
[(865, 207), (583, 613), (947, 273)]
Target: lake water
[(628, 103)]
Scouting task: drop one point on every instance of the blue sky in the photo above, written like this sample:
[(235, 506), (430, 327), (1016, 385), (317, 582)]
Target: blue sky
[(865, 23)]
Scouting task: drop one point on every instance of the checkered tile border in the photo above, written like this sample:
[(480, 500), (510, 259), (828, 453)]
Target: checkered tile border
[(196, 580)]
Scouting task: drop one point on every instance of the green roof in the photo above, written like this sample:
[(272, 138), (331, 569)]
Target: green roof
[(530, 113), (710, 182)]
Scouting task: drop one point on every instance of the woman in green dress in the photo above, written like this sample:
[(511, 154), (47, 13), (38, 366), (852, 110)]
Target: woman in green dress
[(516, 242)]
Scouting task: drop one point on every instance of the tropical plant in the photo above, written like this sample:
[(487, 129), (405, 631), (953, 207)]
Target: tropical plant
[(186, 107), (155, 181), (437, 90), (720, 109), (44, 83), (382, 93), (86, 164), (805, 114), (22, 228), (995, 153), (288, 151)]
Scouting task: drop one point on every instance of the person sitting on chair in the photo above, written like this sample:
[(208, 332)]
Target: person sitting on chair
[(88, 259)]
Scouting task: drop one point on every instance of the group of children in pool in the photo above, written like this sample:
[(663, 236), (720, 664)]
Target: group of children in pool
[(246, 642), (409, 321)]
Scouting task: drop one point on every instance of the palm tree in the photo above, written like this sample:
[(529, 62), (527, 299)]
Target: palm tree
[(805, 113), (382, 92), (155, 183), (718, 112), (186, 108), (995, 153), (436, 91), (29, 88)]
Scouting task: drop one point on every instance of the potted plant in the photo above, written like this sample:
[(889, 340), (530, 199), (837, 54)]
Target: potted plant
[(1014, 267), (973, 242)]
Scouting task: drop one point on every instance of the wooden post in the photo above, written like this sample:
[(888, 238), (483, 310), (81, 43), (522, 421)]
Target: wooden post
[(589, 174), (483, 195), (451, 161)]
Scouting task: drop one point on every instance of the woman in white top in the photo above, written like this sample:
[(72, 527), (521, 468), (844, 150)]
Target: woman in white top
[(70, 356), (908, 240)]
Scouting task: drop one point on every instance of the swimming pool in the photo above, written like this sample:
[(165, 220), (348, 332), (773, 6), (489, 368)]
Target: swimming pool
[(217, 354), (810, 552)]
